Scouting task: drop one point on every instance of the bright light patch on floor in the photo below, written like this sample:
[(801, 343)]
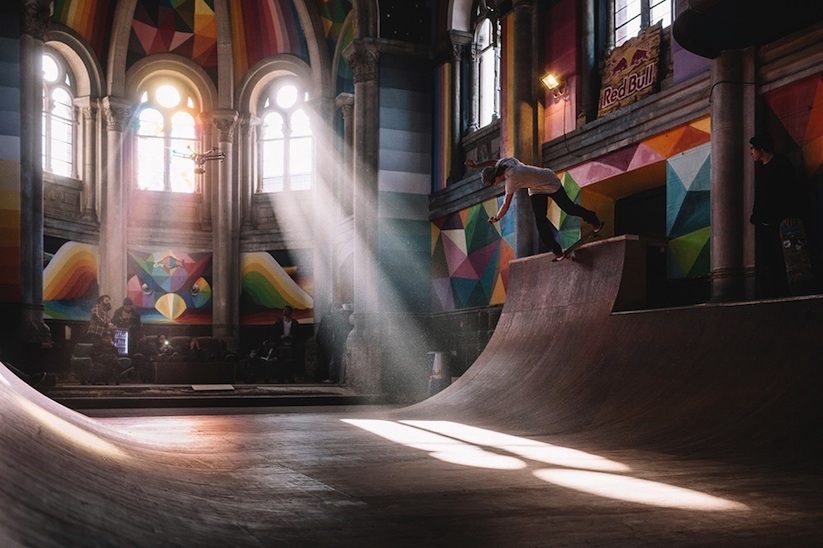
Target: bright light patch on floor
[(524, 447), (439, 447), (637, 490), (71, 432)]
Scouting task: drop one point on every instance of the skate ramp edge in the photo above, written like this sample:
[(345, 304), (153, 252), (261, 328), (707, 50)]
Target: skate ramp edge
[(568, 357)]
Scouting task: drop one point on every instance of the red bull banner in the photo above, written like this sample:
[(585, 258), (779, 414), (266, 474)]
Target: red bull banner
[(630, 72)]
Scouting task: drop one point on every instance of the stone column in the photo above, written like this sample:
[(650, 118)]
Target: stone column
[(728, 149), (225, 260), (344, 191), (522, 120), (474, 114), (749, 101), (459, 41), (364, 348), (326, 209), (248, 169), (34, 22), (113, 275), (89, 176)]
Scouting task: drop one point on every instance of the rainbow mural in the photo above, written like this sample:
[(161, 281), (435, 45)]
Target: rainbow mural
[(91, 19), (263, 28), (70, 281), (267, 286)]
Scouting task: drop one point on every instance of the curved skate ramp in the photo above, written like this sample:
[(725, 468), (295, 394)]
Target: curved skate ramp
[(563, 359)]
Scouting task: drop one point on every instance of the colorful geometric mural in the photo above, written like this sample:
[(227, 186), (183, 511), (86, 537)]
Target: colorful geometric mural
[(272, 280), (686, 151), (171, 286), (794, 118), (183, 27), (688, 212), (91, 19), (470, 258), (333, 14), (69, 280)]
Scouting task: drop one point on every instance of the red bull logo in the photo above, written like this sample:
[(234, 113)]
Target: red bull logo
[(630, 85)]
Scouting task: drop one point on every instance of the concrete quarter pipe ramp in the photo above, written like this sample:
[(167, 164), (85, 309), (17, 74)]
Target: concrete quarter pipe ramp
[(577, 426), (734, 379)]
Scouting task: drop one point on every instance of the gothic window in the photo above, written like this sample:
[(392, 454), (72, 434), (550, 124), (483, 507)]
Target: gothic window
[(632, 16), (167, 138), (58, 117), (486, 68), (287, 145)]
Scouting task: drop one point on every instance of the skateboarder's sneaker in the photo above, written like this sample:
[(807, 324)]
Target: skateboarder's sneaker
[(599, 226), (558, 258)]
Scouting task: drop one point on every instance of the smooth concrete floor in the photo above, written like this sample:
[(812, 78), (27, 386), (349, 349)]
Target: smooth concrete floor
[(372, 476)]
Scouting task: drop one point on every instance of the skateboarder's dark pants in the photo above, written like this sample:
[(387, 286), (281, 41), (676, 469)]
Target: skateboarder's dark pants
[(546, 230), (769, 265)]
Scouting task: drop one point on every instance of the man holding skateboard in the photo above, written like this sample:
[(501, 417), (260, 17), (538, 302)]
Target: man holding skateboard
[(778, 199), (542, 184)]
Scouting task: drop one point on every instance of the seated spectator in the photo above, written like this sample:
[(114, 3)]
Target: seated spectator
[(105, 357), (194, 353), (165, 350)]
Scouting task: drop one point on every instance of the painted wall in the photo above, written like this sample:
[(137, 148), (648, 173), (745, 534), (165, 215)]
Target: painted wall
[(404, 183), (271, 280), (70, 278), (10, 288)]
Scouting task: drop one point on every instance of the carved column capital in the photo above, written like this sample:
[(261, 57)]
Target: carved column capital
[(345, 102), (36, 15), (226, 123), (460, 42), (363, 59), (117, 114)]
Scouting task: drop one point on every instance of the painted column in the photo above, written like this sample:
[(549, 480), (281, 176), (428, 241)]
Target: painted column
[(226, 257), (363, 371), (35, 22), (728, 149), (522, 119), (113, 275), (749, 128)]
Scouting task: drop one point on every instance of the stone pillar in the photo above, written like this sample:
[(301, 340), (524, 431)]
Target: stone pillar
[(225, 261), (35, 21), (522, 119), (474, 114), (345, 187), (113, 275), (364, 348), (89, 173), (728, 149), (248, 169), (749, 129), (326, 209), (459, 41)]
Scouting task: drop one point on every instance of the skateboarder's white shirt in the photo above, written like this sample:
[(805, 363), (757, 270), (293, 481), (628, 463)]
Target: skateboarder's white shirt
[(538, 180)]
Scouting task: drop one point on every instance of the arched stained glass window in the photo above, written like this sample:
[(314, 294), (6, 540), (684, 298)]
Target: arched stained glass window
[(58, 117), (287, 148), (167, 138)]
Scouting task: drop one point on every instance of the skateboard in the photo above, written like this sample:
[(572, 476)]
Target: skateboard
[(568, 254), (796, 255)]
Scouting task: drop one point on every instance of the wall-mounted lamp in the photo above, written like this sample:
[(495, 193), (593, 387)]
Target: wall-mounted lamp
[(555, 84)]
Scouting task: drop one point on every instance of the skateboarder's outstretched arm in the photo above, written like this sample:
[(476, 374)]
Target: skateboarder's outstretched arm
[(503, 209)]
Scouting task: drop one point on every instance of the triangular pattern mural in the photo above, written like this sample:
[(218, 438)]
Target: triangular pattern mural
[(688, 211), (470, 258)]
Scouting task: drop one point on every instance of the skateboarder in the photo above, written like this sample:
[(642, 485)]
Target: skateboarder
[(542, 183), (778, 197)]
